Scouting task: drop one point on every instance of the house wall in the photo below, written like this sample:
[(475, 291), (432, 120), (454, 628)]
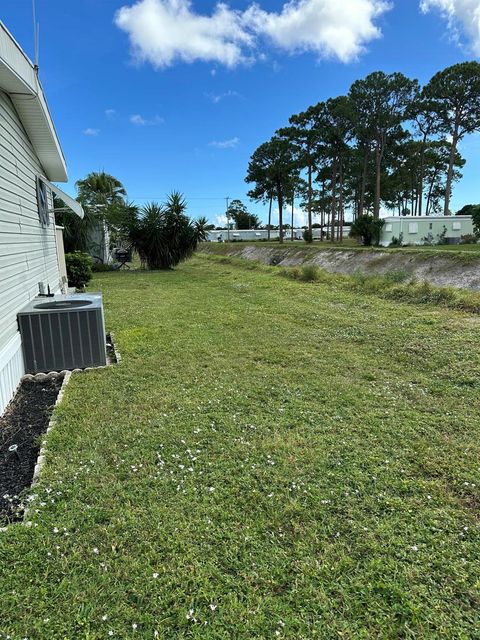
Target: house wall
[(415, 229), (28, 250)]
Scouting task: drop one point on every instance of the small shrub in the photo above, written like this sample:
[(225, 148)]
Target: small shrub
[(397, 276), (100, 267), (469, 238), (397, 242), (308, 236), (79, 269), (367, 230), (442, 237), (275, 260), (310, 273)]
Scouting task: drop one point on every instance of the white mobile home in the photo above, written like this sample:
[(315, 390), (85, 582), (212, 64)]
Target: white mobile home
[(31, 248), (251, 235), (425, 230)]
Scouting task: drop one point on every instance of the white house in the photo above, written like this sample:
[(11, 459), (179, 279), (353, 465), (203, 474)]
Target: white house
[(31, 248), (425, 229)]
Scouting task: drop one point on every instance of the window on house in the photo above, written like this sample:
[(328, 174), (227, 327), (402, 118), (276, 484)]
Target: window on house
[(413, 227), (42, 202), (457, 225), (430, 225), (389, 227)]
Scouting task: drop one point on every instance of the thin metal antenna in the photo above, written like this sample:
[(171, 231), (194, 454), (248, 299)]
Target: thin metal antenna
[(36, 34), (37, 55)]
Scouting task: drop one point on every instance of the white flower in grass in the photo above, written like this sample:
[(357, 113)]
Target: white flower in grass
[(55, 529), (104, 618), (96, 551), (414, 547), (155, 575), (110, 633), (212, 606), (134, 626)]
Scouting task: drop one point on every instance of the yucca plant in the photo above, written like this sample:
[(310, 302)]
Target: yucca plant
[(163, 235)]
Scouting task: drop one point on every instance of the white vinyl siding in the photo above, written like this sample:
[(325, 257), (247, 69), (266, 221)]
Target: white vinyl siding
[(28, 252)]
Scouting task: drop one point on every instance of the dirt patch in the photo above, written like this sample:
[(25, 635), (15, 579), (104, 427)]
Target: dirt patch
[(439, 270), (23, 423)]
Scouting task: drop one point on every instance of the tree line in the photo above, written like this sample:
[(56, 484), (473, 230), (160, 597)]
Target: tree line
[(388, 143)]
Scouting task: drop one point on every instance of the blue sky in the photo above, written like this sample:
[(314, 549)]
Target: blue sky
[(169, 94)]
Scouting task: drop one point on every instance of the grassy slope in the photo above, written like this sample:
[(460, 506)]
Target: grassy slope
[(465, 253), (300, 457)]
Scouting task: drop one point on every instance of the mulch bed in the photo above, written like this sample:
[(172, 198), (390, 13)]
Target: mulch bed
[(25, 420)]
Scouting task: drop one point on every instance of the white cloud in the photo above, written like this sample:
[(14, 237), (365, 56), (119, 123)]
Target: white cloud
[(461, 15), (218, 97), (140, 121), (221, 221), (225, 144), (300, 217), (110, 113), (330, 28), (166, 31), (163, 32), (91, 132)]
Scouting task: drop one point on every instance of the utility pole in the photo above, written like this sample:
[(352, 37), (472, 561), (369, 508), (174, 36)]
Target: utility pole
[(228, 221)]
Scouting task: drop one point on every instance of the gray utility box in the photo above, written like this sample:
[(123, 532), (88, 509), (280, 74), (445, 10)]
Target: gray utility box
[(63, 332)]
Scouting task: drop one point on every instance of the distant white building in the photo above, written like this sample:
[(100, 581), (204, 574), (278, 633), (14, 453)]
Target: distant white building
[(262, 234), (31, 247), (425, 229)]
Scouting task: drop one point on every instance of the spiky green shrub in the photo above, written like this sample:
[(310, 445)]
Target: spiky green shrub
[(164, 235)]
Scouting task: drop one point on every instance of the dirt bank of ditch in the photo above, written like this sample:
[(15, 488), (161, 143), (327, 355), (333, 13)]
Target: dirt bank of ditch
[(441, 269)]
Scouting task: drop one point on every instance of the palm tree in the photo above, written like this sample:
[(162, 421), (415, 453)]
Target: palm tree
[(201, 228), (100, 188)]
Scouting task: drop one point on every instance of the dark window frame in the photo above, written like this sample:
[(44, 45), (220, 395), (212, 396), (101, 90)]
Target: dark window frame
[(42, 202)]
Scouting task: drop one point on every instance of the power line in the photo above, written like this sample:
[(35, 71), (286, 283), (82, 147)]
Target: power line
[(186, 198)]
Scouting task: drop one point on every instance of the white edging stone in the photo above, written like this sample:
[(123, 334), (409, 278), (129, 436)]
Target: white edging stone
[(40, 377), (41, 455), (118, 357)]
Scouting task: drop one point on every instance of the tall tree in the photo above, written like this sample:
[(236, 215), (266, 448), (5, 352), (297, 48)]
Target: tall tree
[(454, 96), (303, 132), (336, 122), (272, 168), (242, 218), (422, 112), (382, 102)]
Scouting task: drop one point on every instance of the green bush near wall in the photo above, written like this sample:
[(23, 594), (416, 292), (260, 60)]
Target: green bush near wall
[(79, 269)]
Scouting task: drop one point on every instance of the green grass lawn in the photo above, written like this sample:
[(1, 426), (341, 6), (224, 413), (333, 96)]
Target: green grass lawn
[(271, 459)]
